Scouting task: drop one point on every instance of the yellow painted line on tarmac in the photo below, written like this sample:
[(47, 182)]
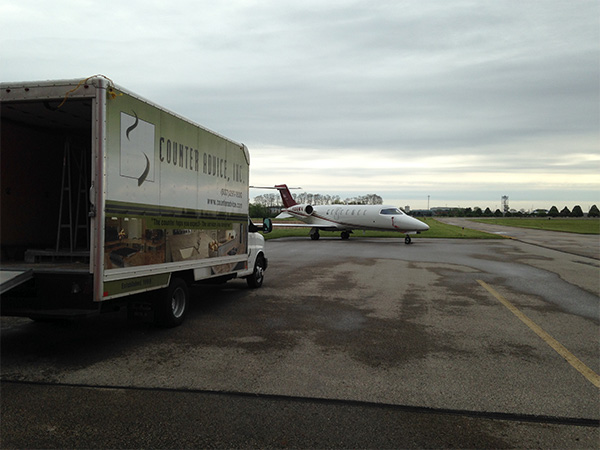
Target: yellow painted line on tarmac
[(592, 376)]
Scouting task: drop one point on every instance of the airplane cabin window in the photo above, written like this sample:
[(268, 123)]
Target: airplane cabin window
[(390, 211)]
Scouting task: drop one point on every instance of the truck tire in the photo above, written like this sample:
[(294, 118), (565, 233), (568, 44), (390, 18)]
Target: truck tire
[(258, 275), (172, 303)]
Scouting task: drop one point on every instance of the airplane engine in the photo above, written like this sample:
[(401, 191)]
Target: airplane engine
[(302, 209)]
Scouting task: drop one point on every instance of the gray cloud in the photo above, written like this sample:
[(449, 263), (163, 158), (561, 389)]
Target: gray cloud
[(514, 82), (400, 79)]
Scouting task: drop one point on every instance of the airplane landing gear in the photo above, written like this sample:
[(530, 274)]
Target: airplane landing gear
[(407, 240), (314, 234), (345, 235)]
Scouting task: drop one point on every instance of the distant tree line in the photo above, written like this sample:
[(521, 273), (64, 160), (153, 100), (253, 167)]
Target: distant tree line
[(552, 212)]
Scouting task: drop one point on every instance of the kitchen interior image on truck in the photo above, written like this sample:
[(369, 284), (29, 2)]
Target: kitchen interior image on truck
[(130, 243)]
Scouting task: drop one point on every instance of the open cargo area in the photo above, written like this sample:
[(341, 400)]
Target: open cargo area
[(45, 176), (45, 224)]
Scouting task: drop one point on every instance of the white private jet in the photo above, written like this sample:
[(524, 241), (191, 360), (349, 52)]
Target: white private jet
[(346, 218)]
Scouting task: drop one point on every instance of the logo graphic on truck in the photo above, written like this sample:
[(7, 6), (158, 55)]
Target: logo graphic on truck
[(137, 142)]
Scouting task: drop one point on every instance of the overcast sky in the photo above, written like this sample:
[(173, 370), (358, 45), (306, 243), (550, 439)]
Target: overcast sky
[(461, 101)]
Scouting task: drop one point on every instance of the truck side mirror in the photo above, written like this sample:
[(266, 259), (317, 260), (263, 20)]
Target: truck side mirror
[(267, 225)]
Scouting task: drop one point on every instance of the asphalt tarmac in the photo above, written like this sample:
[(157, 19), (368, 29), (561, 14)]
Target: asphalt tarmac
[(577, 244), (365, 343)]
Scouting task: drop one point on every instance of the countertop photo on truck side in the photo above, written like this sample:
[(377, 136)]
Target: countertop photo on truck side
[(106, 196)]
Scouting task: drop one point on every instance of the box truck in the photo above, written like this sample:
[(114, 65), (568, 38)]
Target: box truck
[(109, 200)]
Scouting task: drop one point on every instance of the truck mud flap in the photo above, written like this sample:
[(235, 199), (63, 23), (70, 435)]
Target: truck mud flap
[(12, 278)]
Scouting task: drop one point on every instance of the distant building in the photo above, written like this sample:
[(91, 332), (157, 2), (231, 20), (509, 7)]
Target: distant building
[(420, 212), (444, 209)]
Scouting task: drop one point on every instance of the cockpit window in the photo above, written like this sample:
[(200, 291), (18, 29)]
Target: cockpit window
[(390, 212)]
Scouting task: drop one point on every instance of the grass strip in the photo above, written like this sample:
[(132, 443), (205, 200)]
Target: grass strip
[(571, 225)]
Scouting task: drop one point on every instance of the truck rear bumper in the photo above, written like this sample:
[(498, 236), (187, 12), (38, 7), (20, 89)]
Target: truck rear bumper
[(43, 292)]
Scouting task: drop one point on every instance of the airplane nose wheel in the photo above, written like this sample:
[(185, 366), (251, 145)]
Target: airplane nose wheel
[(407, 240)]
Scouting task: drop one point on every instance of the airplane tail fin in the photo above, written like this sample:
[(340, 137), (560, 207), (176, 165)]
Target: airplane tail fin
[(286, 196)]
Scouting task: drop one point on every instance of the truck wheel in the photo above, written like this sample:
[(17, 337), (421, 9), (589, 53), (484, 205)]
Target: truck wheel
[(256, 279), (172, 304)]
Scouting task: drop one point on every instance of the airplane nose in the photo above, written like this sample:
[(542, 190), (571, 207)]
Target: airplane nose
[(420, 226)]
